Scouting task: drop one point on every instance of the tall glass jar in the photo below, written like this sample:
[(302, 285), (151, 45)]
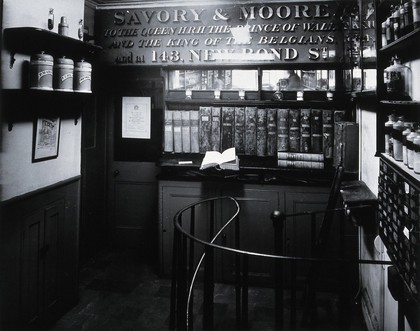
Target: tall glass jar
[(408, 128), (410, 149), (397, 78), (397, 129), (388, 134), (416, 166)]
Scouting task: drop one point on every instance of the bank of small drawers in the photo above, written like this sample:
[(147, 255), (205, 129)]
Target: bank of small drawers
[(399, 223)]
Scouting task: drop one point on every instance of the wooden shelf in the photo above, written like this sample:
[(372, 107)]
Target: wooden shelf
[(400, 103), (249, 102), (29, 40), (401, 46)]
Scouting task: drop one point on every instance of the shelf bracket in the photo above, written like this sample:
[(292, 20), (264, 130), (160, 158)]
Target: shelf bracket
[(12, 60)]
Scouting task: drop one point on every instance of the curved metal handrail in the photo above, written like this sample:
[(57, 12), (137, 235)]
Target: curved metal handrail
[(211, 243), (265, 255)]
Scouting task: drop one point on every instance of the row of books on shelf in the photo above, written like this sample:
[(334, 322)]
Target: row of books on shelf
[(252, 131)]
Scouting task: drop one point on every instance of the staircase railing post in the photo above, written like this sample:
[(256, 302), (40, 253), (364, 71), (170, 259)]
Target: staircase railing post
[(208, 308), (278, 219)]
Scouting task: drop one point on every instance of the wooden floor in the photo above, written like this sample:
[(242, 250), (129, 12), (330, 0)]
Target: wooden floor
[(119, 291)]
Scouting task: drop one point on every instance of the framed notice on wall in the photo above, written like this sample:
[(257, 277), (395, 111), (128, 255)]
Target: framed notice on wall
[(136, 117), (46, 139)]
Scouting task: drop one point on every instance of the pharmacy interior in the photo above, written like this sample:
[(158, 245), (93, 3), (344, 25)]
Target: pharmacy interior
[(128, 112)]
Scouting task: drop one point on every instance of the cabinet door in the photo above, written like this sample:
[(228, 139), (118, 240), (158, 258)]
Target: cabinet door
[(173, 197), (256, 230), (50, 258), (40, 291), (31, 291), (297, 230)]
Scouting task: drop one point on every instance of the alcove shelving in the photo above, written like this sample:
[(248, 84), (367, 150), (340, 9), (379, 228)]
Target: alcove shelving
[(30, 40)]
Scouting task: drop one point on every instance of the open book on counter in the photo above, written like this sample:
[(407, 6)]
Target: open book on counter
[(228, 160)]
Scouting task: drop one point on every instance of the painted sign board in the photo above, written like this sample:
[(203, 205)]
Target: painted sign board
[(221, 34)]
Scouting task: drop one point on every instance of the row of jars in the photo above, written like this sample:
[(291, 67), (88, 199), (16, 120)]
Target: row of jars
[(59, 75), (402, 19), (402, 141)]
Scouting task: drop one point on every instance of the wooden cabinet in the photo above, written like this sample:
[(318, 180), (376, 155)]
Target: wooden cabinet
[(39, 246), (41, 277), (257, 202)]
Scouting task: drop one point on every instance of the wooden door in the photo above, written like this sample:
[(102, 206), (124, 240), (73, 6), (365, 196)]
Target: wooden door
[(131, 172)]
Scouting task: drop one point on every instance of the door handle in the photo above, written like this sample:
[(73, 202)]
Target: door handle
[(116, 173)]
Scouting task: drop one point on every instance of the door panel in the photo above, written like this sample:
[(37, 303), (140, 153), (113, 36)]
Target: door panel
[(256, 230), (173, 198), (133, 204), (298, 229), (53, 214), (31, 295)]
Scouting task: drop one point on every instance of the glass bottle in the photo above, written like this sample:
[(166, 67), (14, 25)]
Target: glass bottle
[(397, 78), (397, 129), (408, 17), (396, 22), (416, 144), (410, 149), (278, 95), (416, 13), (408, 128), (388, 134), (383, 34), (51, 19), (402, 20), (80, 30), (388, 31)]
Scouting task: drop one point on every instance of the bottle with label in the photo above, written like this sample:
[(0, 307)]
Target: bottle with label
[(388, 134), (51, 19), (389, 31), (416, 143), (396, 22), (416, 13), (408, 129), (410, 149), (402, 20), (408, 16), (383, 34), (397, 78), (397, 129)]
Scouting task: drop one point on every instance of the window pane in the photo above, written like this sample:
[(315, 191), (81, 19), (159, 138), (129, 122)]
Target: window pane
[(245, 80)]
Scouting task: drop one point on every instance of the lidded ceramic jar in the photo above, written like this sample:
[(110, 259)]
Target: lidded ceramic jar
[(82, 77), (63, 74), (41, 72)]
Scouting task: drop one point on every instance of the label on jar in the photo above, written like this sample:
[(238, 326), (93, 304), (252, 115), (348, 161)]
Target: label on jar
[(394, 82)]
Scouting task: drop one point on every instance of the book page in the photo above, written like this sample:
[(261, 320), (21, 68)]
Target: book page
[(228, 155), (214, 158)]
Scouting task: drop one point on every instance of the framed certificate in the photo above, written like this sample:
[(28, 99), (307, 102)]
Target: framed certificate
[(136, 117)]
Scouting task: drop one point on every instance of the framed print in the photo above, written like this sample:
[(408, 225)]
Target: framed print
[(46, 139), (136, 117)]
